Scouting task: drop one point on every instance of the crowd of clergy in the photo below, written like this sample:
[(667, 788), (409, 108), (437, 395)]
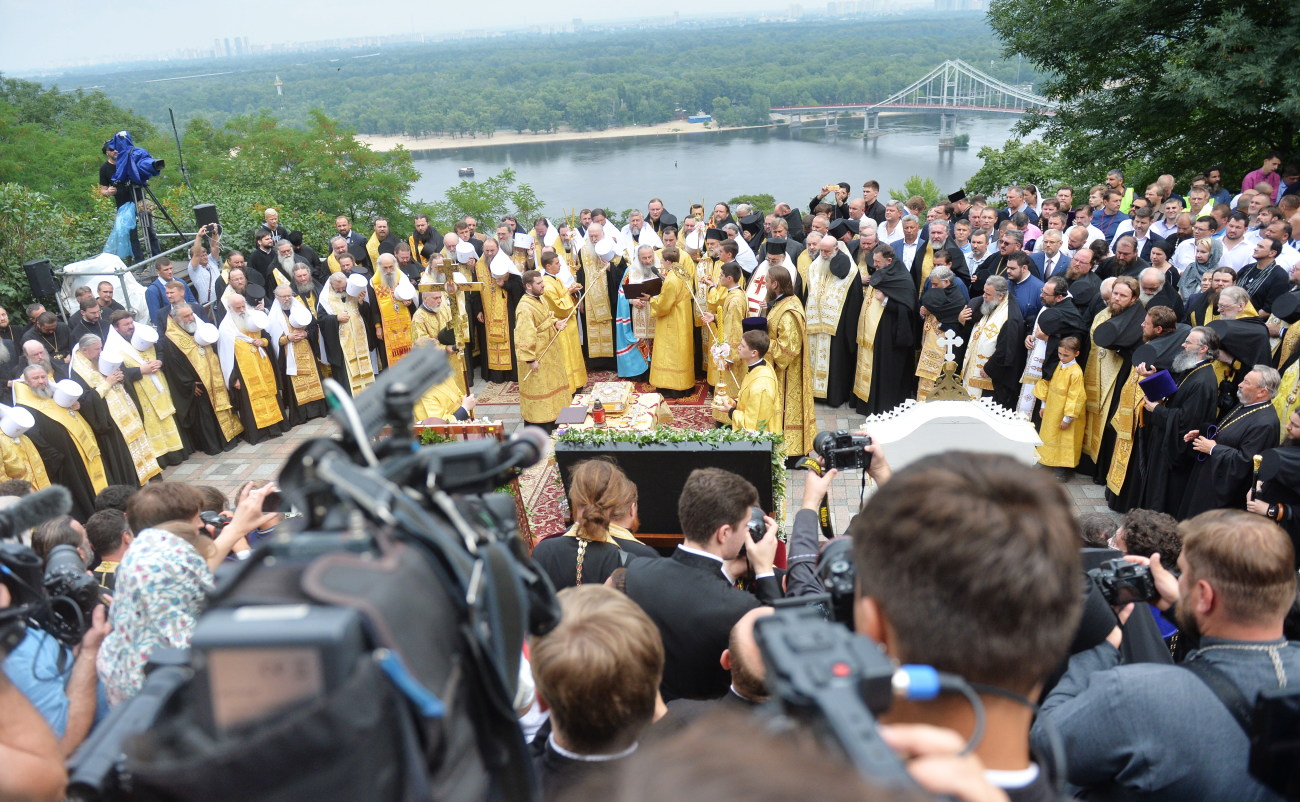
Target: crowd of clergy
[(1146, 333)]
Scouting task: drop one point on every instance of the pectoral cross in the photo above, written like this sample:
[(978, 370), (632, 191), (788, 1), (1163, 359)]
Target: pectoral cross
[(948, 342)]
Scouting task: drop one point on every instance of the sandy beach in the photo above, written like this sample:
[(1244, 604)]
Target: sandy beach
[(502, 138)]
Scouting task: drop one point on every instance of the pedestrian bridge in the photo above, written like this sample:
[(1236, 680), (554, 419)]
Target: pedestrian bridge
[(953, 86)]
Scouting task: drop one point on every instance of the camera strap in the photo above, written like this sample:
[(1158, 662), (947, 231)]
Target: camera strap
[(1226, 691)]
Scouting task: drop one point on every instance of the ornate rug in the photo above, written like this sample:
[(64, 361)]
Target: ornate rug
[(508, 393)]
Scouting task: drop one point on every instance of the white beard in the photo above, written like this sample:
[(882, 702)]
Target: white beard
[(241, 320), (1185, 362), (188, 328), (507, 247), (46, 392), (987, 308), (389, 279), (287, 263)]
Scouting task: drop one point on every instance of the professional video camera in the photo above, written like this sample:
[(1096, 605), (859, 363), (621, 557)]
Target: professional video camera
[(60, 596), (843, 451), (839, 577), (370, 649), (837, 683)]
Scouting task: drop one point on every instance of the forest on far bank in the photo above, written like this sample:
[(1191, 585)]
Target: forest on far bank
[(585, 81)]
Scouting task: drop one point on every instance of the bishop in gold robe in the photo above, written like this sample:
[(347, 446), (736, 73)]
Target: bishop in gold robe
[(249, 372), (147, 384), (64, 440), (432, 318), (18, 453), (672, 361), (343, 337), (121, 412)]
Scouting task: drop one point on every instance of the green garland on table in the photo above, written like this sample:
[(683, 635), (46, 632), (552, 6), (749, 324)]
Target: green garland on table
[(713, 437)]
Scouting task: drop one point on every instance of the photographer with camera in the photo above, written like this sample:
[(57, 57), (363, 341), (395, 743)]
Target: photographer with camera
[(31, 760), (1148, 731), (165, 576), (970, 563), (807, 560), (691, 596), (61, 685)]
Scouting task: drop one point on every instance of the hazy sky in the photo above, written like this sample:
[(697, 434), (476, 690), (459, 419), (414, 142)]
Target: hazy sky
[(47, 34)]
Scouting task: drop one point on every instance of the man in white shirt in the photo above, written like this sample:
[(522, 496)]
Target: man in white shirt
[(906, 247), (1237, 252), (892, 229), (204, 267), (1167, 225)]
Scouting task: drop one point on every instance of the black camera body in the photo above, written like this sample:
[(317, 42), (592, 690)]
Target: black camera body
[(1122, 582), (756, 526), (835, 681), (842, 451), (73, 594), (839, 577)]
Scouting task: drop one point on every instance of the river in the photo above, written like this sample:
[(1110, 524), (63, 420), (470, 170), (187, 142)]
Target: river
[(680, 168)]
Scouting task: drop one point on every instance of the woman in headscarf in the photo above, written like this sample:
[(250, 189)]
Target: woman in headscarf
[(1208, 253), (603, 501)]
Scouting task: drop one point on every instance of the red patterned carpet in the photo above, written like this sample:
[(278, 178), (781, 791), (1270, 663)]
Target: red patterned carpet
[(540, 486), (508, 393)]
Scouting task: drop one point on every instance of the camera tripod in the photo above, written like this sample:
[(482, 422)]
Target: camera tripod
[(144, 217)]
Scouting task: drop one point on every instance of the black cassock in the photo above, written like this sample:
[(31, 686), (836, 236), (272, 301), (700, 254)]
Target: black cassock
[(843, 360), (119, 468), (1007, 364), (1161, 462), (63, 463), (133, 375), (945, 305), (514, 288), (1058, 322), (1121, 334), (194, 414), (1221, 481), (1280, 473), (893, 365), (240, 401), (1246, 339), (294, 412)]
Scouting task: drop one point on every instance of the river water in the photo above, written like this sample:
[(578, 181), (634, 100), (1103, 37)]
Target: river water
[(790, 164)]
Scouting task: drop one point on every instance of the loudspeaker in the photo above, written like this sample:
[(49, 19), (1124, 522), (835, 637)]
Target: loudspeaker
[(40, 276), (206, 213)]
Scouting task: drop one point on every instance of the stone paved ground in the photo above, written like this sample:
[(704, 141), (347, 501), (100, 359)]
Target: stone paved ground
[(263, 461)]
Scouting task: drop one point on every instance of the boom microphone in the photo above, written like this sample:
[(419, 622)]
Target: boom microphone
[(34, 510)]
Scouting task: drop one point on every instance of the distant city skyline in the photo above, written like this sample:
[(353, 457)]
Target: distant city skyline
[(31, 43)]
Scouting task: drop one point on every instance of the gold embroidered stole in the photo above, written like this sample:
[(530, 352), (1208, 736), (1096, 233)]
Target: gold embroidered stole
[(1099, 379), (599, 329), (156, 408), (868, 322), (83, 438), (257, 375), (125, 416), (394, 320), (496, 319), (984, 341), (826, 294), (208, 367), (353, 342)]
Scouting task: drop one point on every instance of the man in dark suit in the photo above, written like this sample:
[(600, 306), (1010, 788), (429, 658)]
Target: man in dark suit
[(692, 596), (748, 679), (1051, 260)]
